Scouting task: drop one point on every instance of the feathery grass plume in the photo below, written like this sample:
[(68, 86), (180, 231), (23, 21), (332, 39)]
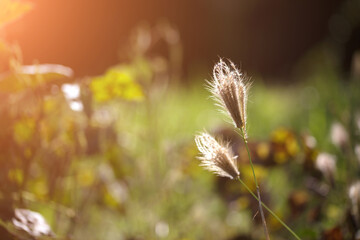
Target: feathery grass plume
[(354, 195), (215, 157), (326, 164), (357, 152), (231, 92), (339, 135)]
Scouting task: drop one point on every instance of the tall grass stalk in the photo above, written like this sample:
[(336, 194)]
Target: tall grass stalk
[(257, 186), (230, 89), (268, 209)]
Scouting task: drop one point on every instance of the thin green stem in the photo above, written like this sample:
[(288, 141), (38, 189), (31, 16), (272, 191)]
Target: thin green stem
[(257, 187), (248, 152), (269, 210)]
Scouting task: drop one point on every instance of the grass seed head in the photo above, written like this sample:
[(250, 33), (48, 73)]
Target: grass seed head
[(326, 164), (215, 157), (339, 135), (354, 195), (231, 92)]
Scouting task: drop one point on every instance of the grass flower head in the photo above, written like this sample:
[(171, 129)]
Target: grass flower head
[(354, 195), (215, 157), (326, 164), (231, 92)]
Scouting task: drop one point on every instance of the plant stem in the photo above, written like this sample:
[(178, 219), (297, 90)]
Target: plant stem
[(257, 187), (269, 210)]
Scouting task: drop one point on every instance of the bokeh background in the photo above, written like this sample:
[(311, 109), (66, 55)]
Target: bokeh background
[(100, 102), (265, 37)]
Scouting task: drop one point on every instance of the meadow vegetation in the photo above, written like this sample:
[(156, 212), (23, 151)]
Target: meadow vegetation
[(114, 157)]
